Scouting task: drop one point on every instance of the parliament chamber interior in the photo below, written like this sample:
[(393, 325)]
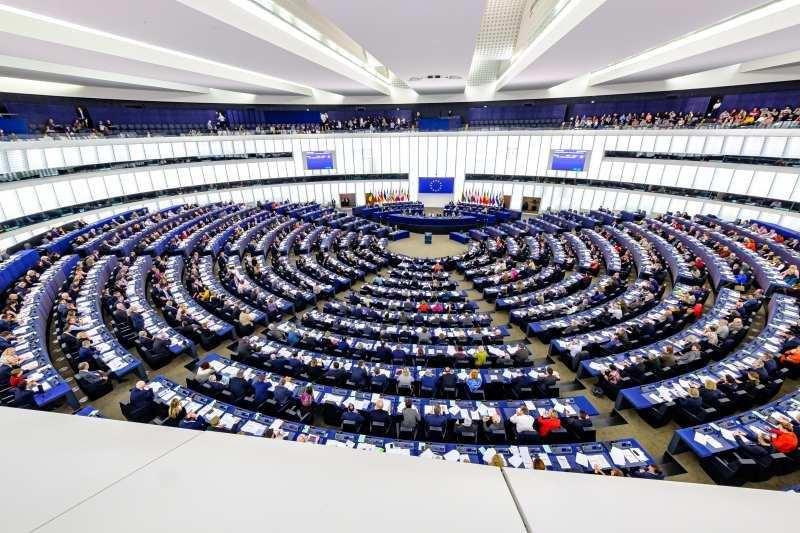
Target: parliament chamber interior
[(475, 257)]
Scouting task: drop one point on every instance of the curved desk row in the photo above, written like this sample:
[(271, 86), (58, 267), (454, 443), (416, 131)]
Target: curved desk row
[(438, 225)]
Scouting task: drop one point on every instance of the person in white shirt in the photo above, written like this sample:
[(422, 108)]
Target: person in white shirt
[(203, 372), (522, 420)]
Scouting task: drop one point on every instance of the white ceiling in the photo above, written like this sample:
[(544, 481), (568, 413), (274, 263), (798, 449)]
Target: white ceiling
[(623, 28), (415, 38), (239, 57)]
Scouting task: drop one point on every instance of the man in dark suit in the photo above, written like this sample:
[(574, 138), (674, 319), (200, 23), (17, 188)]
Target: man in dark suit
[(136, 318), (239, 386), (448, 379), (352, 415), (24, 394), (260, 388), (243, 349), (547, 381), (576, 424), (379, 414), (335, 373), (193, 421), (383, 352), (120, 314), (378, 379), (161, 344), (281, 393), (141, 396), (521, 382), (358, 374), (93, 383), (87, 353), (436, 419), (429, 381)]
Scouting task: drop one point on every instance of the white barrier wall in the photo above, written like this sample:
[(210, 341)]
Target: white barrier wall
[(421, 154)]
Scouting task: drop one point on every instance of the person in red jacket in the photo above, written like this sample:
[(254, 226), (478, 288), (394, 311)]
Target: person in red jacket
[(548, 422), (783, 438), (699, 263)]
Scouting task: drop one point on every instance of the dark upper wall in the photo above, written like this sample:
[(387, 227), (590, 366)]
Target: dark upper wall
[(37, 109)]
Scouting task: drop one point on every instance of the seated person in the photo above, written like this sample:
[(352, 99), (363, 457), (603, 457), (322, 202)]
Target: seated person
[(494, 424), (281, 393), (352, 415), (306, 399), (86, 353), (710, 394), (203, 372), (691, 403), (550, 378), (94, 382), (378, 379), (436, 419), (548, 422), (335, 373), (474, 381), (404, 379), (783, 438), (379, 414), (239, 386), (410, 416), (649, 472), (358, 374), (576, 424), (428, 380), (261, 388), (24, 394), (142, 396), (193, 421), (175, 413), (522, 420)]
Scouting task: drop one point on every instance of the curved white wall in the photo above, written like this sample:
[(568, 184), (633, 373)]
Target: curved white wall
[(515, 153)]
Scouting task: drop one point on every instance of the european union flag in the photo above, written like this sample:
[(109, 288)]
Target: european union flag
[(436, 185)]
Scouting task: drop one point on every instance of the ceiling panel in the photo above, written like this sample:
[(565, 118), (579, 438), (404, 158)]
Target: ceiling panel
[(14, 45), (414, 38), (774, 43), (172, 25), (619, 29)]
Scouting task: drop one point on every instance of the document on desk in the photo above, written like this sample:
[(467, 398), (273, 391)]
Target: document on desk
[(452, 456), (515, 461), (427, 454), (228, 421), (563, 462), (618, 456), (166, 395), (487, 455), (217, 365), (254, 428), (582, 459), (598, 459), (116, 364)]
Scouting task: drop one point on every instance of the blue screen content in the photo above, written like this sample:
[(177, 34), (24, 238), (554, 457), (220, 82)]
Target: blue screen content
[(572, 160), (319, 160), (436, 185)]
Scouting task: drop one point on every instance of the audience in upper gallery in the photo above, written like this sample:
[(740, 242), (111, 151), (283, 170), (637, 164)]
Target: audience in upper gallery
[(757, 117)]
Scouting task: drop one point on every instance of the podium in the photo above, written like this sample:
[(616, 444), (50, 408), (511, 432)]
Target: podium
[(428, 237)]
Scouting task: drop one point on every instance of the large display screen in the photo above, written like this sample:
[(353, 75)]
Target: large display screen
[(320, 160), (436, 185), (571, 160)]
